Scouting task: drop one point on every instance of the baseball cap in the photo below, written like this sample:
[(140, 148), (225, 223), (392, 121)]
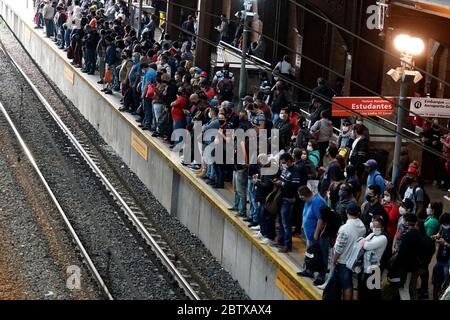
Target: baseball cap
[(413, 170), (265, 85), (247, 99), (263, 159), (371, 163)]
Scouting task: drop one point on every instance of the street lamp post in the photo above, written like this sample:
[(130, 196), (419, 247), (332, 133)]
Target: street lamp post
[(409, 47)]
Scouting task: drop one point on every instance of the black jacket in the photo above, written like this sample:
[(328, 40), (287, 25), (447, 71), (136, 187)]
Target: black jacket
[(280, 100), (284, 132), (360, 154), (263, 188)]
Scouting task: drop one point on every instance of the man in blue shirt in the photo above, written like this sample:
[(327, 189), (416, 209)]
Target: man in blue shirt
[(313, 226), (148, 75), (374, 176)]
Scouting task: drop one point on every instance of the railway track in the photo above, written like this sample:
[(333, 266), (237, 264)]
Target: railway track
[(79, 146)]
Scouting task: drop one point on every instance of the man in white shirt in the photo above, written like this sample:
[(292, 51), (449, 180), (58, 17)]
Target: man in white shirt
[(348, 234)]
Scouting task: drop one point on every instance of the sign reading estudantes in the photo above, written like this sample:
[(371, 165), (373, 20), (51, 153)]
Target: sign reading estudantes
[(430, 107), (365, 106)]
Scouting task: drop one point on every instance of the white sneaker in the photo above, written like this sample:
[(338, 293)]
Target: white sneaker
[(257, 228), (322, 286), (258, 235), (266, 241)]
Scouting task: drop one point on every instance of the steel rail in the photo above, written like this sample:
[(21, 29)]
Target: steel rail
[(77, 240), (165, 260)]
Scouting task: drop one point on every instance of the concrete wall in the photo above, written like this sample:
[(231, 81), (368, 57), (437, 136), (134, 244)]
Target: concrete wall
[(206, 215)]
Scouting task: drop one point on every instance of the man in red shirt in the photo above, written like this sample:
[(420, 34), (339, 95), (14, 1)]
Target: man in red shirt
[(178, 108)]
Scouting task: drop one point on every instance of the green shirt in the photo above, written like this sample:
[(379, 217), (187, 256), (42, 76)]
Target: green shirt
[(431, 226)]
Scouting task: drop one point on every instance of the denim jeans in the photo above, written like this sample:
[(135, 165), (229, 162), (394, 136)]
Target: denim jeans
[(157, 111), (210, 171), (40, 20), (49, 27), (266, 222), (148, 113), (251, 196), (220, 174), (285, 218), (177, 124), (240, 190)]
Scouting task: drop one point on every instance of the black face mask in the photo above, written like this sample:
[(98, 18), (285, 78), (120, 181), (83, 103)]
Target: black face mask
[(222, 122), (369, 198)]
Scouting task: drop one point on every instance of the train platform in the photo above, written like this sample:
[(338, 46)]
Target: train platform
[(261, 270)]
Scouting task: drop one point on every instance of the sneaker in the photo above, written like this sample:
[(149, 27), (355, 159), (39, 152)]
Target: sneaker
[(233, 209), (306, 273), (256, 228), (319, 281), (248, 219), (266, 241), (322, 286), (258, 235)]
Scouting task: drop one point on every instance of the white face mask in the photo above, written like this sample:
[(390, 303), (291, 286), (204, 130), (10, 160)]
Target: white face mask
[(284, 166), (309, 148), (387, 199), (402, 211), (359, 122), (345, 174), (210, 115), (377, 231), (429, 211)]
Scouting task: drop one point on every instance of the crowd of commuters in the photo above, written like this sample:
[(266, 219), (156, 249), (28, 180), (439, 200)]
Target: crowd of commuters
[(326, 189)]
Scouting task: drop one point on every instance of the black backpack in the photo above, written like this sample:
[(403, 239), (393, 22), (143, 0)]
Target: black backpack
[(426, 197)]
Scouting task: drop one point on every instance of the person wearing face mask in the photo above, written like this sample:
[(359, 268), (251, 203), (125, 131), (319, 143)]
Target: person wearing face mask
[(416, 193), (373, 207), (313, 153), (406, 208), (431, 223), (345, 199), (312, 226), (303, 135), (345, 138), (288, 182), (391, 204), (220, 164), (411, 256), (360, 150), (374, 246), (283, 127), (441, 269), (322, 132), (263, 186)]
